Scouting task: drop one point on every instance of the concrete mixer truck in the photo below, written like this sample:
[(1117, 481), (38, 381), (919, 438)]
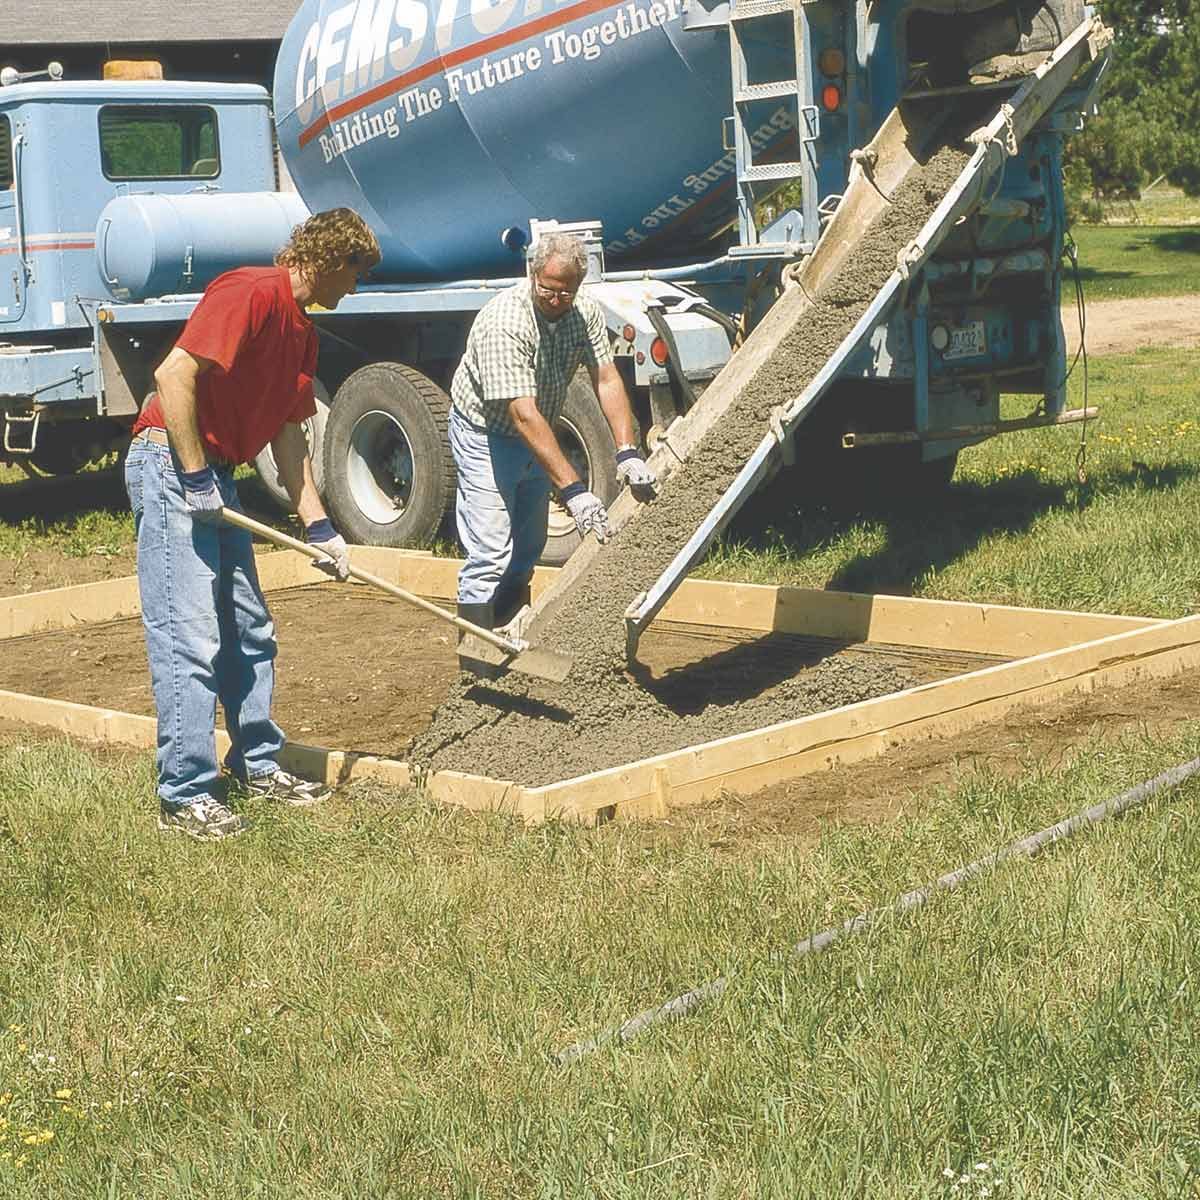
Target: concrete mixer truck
[(657, 129)]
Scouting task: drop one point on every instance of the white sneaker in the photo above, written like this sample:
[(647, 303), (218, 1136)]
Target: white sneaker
[(205, 819), (287, 788)]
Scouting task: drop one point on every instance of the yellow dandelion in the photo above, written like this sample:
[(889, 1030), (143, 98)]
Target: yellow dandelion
[(63, 1094), (107, 1105)]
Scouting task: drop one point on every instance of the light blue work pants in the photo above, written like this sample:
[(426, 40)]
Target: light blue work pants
[(209, 635), (501, 507)]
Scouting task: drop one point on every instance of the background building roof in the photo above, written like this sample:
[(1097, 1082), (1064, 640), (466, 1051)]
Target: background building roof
[(129, 22)]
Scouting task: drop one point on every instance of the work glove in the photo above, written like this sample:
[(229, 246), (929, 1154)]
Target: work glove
[(202, 496), (590, 515), (322, 535), (632, 468)]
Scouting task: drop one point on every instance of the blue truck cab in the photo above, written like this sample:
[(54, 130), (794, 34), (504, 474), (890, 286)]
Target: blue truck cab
[(69, 383)]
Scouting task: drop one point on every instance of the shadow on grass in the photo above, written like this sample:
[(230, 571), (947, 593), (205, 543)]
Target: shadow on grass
[(928, 536), (1177, 241), (69, 497)]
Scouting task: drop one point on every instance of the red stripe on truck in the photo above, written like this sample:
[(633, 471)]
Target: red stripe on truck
[(476, 50), (38, 247)]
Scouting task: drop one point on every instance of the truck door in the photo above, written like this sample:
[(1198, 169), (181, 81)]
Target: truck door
[(12, 268)]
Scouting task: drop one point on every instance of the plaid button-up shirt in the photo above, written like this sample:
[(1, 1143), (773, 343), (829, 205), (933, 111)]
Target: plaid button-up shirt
[(513, 351)]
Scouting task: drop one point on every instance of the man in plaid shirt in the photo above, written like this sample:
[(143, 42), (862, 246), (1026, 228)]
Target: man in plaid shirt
[(523, 351)]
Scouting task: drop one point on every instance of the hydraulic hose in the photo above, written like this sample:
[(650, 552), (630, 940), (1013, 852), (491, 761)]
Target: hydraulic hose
[(1026, 847), (656, 315)]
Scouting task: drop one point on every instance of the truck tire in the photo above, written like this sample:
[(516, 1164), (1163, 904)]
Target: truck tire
[(314, 435), (587, 441), (389, 477)]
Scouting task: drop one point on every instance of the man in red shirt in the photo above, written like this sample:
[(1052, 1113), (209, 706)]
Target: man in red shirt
[(239, 376)]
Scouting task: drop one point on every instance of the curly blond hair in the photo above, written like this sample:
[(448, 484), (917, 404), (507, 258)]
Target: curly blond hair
[(329, 241)]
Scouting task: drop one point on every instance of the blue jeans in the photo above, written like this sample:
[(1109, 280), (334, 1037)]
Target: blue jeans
[(209, 635), (501, 507)]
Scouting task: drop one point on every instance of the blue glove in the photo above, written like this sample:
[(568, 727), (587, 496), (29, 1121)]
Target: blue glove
[(323, 536), (202, 495)]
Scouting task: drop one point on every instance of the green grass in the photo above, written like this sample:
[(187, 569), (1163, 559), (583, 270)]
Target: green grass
[(1122, 262), (1015, 526), (1160, 205), (365, 1000)]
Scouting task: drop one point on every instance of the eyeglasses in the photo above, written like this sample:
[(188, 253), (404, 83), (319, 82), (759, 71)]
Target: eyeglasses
[(553, 293)]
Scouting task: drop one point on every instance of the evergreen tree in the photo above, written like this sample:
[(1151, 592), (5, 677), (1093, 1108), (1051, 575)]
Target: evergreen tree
[(1149, 123)]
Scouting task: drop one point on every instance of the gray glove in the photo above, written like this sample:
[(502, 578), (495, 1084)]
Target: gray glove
[(322, 536), (632, 468), (202, 496), (590, 515)]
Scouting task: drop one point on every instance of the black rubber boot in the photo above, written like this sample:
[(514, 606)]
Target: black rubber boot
[(509, 602), (483, 615)]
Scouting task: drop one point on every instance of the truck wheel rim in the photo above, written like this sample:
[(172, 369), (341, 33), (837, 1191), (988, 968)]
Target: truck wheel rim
[(560, 521), (380, 467)]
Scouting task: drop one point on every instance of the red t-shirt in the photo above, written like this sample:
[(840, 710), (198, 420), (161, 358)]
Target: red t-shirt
[(264, 354)]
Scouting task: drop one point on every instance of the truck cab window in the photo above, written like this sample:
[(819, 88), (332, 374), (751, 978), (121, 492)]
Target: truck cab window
[(6, 158), (154, 142)]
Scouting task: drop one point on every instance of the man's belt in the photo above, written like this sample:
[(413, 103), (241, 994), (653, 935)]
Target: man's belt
[(158, 437)]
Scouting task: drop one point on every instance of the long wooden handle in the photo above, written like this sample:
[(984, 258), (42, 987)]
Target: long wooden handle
[(291, 543)]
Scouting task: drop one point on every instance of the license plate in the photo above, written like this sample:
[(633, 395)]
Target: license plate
[(966, 341)]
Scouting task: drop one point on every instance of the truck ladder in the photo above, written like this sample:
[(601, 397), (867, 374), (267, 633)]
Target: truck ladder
[(745, 93)]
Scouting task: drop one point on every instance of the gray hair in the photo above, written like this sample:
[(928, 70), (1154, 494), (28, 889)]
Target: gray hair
[(558, 245)]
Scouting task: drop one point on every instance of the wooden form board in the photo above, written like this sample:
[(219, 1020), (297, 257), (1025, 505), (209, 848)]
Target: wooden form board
[(995, 629), (1058, 654)]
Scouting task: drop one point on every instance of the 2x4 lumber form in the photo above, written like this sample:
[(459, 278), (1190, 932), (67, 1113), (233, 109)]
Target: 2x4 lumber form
[(941, 624), (83, 721), (63, 608), (997, 629), (955, 704), (480, 794), (937, 726), (117, 599), (107, 726)]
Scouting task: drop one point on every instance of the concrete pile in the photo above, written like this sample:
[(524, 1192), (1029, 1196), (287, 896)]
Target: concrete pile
[(604, 714)]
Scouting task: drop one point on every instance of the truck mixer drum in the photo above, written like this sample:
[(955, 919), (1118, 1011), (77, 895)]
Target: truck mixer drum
[(448, 127)]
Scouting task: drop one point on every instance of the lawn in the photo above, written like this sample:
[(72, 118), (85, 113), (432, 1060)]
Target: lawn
[(366, 1000), (1016, 526), (1123, 262)]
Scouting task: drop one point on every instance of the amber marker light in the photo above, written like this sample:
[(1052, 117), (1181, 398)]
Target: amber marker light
[(831, 61)]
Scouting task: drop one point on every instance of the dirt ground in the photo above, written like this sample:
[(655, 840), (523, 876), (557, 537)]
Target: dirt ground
[(878, 791), (376, 689), (1122, 326), (882, 789)]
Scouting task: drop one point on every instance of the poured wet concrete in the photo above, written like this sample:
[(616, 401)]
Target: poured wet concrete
[(357, 671), (605, 714)]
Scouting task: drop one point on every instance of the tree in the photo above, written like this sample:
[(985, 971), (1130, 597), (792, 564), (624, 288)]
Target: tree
[(1149, 121)]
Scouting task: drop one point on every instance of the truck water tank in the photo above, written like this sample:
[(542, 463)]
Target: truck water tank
[(447, 123), (160, 245)]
